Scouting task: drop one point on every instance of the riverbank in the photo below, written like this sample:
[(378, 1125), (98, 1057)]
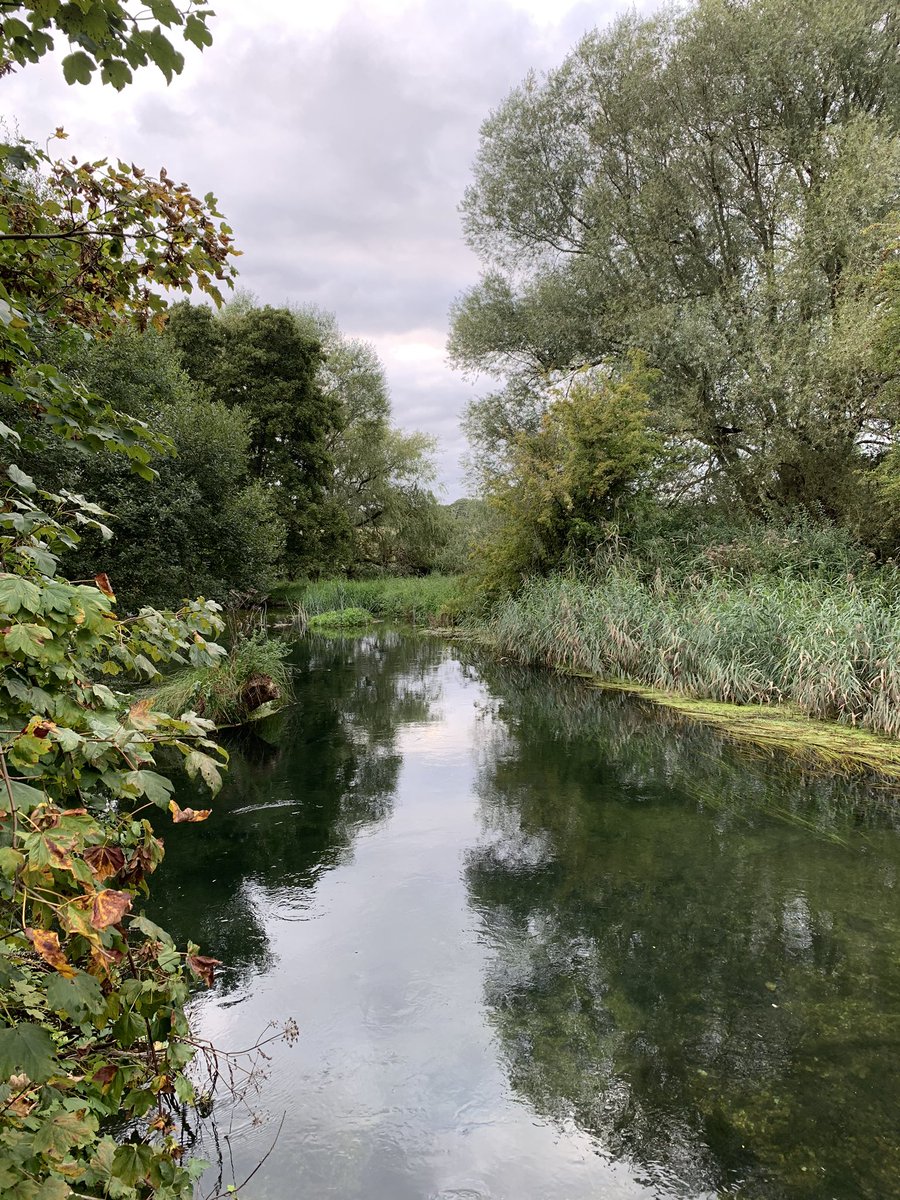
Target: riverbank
[(802, 667), (418, 600)]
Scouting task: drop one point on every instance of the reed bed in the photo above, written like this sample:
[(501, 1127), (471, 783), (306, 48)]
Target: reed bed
[(416, 599), (829, 652)]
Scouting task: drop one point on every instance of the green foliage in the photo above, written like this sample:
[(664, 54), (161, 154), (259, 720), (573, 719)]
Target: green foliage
[(705, 185), (258, 360), (110, 35), (202, 524), (419, 600), (832, 651), (93, 1031), (574, 480), (341, 618), (250, 681)]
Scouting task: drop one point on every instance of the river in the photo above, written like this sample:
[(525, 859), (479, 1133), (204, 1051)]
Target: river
[(540, 942)]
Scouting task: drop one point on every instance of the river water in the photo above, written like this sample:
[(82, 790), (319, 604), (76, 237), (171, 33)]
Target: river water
[(541, 942)]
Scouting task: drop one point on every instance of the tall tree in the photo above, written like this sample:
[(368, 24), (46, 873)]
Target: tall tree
[(259, 361), (698, 185)]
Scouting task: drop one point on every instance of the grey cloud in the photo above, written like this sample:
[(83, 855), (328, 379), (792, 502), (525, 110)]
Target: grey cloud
[(338, 157)]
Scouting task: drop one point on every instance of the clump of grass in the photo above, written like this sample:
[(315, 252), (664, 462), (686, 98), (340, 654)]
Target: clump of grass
[(249, 682), (828, 651), (341, 618), (416, 599)]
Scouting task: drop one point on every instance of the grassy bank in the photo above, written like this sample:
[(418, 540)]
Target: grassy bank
[(803, 658), (420, 600), (248, 682)]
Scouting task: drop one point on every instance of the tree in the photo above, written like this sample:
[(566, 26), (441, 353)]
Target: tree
[(698, 185), (381, 475), (258, 361), (576, 480), (202, 525)]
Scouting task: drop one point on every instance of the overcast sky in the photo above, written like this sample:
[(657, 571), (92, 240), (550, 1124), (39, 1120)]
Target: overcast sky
[(338, 138)]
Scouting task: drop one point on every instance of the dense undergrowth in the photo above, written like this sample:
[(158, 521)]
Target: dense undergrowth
[(250, 681), (418, 599), (830, 650)]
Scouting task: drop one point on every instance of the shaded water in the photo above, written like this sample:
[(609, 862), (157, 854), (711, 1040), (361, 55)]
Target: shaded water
[(542, 943)]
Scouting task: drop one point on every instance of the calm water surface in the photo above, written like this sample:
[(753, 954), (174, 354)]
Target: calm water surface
[(541, 943)]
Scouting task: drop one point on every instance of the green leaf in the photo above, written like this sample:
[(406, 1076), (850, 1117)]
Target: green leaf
[(64, 1130), (10, 861), (77, 68), (25, 796), (78, 998), (116, 73), (128, 1029), (25, 482), (29, 1048), (155, 787), (28, 640), (17, 593), (132, 1162), (209, 772)]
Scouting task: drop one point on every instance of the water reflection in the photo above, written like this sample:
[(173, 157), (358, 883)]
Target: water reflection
[(296, 793), (694, 957), (542, 944)]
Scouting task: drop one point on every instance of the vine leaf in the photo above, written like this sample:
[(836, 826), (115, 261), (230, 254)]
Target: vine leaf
[(109, 907), (203, 967), (29, 1048), (181, 815), (46, 942), (105, 861)]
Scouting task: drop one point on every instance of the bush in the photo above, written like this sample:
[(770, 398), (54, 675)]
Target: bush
[(250, 681), (341, 618)]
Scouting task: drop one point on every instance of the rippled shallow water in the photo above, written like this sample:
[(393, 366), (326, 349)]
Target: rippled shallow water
[(541, 943)]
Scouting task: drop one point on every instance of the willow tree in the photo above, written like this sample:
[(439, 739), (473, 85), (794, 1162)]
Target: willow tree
[(699, 185)]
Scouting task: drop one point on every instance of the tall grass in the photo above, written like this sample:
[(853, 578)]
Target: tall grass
[(250, 680), (416, 599), (831, 651)]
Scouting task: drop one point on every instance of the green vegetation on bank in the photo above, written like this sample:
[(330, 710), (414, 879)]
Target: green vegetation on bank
[(341, 618), (420, 600), (250, 681)]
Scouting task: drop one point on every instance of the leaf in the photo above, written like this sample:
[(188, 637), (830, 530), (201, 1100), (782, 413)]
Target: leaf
[(105, 861), (102, 582), (186, 815), (20, 479), (46, 942), (131, 1163), (77, 68), (64, 1130), (29, 1048), (109, 907), (116, 72), (203, 967), (208, 769), (27, 640), (155, 787), (17, 593), (10, 861), (25, 796), (79, 998)]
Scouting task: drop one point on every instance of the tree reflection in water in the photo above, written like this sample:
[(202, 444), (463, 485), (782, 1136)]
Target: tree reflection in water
[(296, 793), (682, 961)]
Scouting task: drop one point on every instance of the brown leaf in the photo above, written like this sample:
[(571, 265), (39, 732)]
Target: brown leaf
[(105, 1075), (105, 861), (109, 907), (140, 864), (179, 815), (47, 945), (102, 582), (102, 960), (203, 967)]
